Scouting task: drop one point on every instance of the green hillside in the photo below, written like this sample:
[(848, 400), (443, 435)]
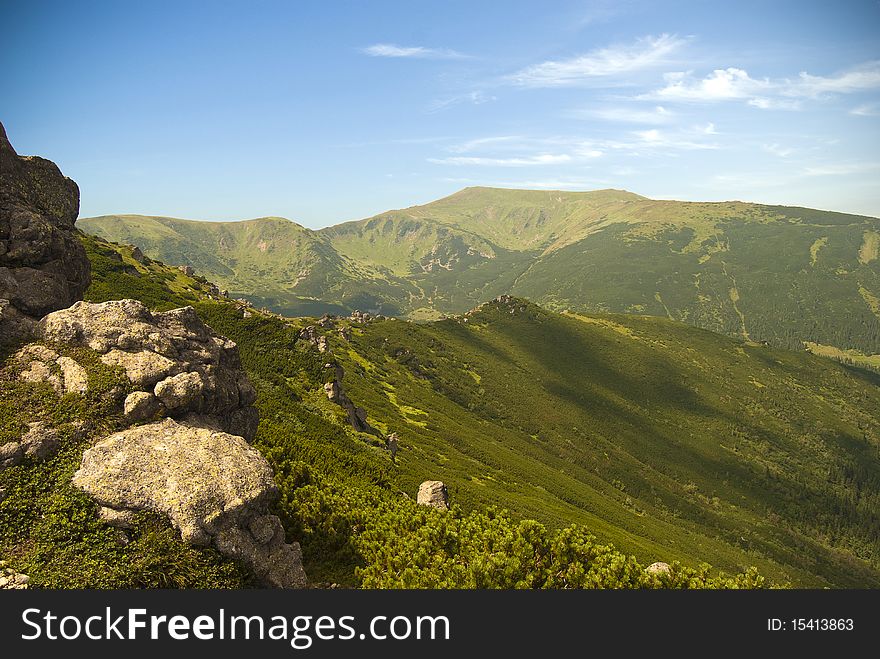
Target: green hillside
[(785, 275), (270, 261), (665, 440), (670, 442)]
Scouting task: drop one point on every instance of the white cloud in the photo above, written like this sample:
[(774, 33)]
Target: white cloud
[(781, 94), (866, 110), (864, 77), (645, 53), (778, 150), (501, 140), (655, 138), (706, 129), (418, 52), (722, 84), (659, 115), (537, 184), (523, 151), (474, 98), (774, 104), (523, 161), (841, 169)]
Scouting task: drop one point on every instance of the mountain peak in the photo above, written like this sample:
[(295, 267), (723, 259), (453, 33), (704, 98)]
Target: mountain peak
[(519, 193)]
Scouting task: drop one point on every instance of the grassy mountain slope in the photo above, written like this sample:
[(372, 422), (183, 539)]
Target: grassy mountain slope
[(764, 273), (246, 253), (521, 220), (271, 261), (673, 443), (666, 440)]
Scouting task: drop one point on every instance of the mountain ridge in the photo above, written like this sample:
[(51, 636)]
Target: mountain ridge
[(784, 274)]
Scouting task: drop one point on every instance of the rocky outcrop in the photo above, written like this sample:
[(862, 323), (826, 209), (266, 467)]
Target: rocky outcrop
[(327, 321), (434, 494), (357, 416), (197, 467), (316, 339), (178, 365), (42, 364), (659, 568), (38, 443), (213, 486), (360, 316), (12, 580), (139, 256), (43, 266)]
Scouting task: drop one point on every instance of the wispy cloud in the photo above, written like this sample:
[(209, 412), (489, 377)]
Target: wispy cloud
[(537, 184), (777, 150), (866, 110), (781, 94), (774, 103), (488, 142), (523, 151), (864, 77), (655, 138), (706, 129), (473, 98), (659, 115), (540, 159), (417, 52), (647, 52), (842, 169)]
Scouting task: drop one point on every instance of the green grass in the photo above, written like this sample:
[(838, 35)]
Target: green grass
[(672, 443)]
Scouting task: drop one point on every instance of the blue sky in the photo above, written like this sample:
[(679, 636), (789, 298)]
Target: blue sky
[(329, 111)]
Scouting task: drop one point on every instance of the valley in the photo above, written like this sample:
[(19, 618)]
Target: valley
[(783, 275)]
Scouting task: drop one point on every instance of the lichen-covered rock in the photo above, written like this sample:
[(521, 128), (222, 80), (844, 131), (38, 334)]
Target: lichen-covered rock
[(11, 454), (140, 406), (43, 266), (12, 580), (38, 443), (42, 364), (213, 486), (273, 561), (196, 476), (172, 354), (658, 568), (40, 370), (434, 494), (180, 391), (120, 519)]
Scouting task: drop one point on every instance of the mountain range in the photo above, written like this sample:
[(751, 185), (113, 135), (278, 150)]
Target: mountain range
[(792, 277), (575, 448)]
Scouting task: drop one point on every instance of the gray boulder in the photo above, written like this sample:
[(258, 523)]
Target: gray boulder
[(42, 364), (38, 443), (213, 486), (43, 266), (434, 494), (140, 406), (172, 355)]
